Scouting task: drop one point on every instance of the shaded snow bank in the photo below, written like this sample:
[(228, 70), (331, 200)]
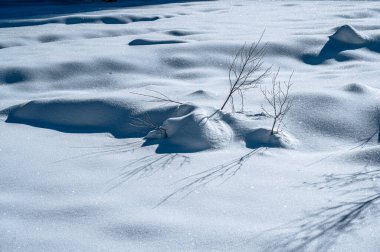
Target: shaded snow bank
[(345, 38), (183, 128), (88, 116)]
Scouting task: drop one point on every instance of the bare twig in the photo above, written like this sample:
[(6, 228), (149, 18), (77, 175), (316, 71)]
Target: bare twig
[(160, 97), (245, 71), (365, 141), (147, 122), (279, 100)]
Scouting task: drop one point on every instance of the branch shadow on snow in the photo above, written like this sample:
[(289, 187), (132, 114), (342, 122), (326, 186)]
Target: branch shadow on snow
[(201, 179), (111, 149), (147, 166), (320, 230), (172, 130)]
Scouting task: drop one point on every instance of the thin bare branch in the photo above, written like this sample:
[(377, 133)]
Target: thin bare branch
[(161, 98), (245, 71), (279, 100)]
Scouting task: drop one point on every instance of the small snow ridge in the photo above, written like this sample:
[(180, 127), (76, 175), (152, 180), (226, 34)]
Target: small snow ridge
[(118, 117), (14, 75), (180, 33), (144, 42), (262, 138), (200, 94), (356, 88), (348, 34), (344, 39), (367, 156), (50, 38), (79, 19)]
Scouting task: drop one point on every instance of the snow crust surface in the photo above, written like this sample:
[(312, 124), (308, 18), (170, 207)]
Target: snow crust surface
[(87, 163)]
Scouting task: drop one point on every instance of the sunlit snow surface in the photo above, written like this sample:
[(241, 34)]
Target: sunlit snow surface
[(78, 174)]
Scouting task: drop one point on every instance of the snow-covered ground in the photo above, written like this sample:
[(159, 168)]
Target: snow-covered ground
[(78, 174)]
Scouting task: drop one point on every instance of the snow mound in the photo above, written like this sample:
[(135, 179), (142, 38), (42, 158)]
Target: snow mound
[(348, 34), (357, 88), (365, 156), (263, 138), (200, 94), (195, 130), (346, 114), (120, 118), (345, 39), (183, 128)]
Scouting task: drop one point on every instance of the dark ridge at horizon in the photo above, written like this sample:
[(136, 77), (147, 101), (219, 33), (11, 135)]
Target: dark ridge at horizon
[(5, 3), (16, 9)]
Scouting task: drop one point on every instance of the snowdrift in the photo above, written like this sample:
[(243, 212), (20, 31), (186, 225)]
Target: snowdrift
[(183, 128), (88, 116), (347, 34), (194, 131), (71, 70), (345, 38), (362, 155), (347, 113)]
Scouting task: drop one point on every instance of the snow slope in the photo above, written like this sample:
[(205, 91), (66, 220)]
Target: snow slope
[(90, 164)]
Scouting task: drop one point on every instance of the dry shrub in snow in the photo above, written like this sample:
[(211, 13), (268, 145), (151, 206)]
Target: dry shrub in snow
[(279, 101), (246, 71)]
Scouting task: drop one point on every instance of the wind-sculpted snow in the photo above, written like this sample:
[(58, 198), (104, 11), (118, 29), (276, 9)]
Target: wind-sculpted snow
[(348, 34), (88, 116), (345, 38), (142, 42), (64, 71), (91, 159), (185, 128), (348, 114)]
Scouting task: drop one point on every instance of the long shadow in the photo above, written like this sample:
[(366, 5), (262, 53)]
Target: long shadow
[(165, 146), (147, 166), (124, 147), (319, 230), (221, 172), (15, 9), (139, 168)]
